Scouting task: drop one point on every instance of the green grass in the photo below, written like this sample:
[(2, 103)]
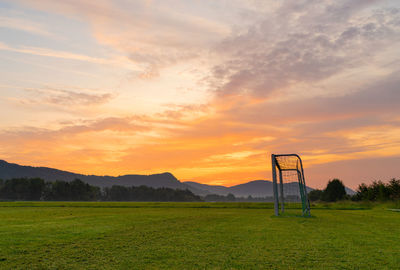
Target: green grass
[(111, 235)]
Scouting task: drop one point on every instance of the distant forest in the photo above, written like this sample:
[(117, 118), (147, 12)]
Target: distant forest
[(36, 189)]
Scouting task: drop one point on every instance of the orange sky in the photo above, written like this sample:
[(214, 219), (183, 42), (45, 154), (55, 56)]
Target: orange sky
[(206, 90)]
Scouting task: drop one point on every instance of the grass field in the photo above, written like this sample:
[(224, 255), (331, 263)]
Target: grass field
[(100, 235)]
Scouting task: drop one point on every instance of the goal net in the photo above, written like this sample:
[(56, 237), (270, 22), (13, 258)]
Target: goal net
[(292, 187)]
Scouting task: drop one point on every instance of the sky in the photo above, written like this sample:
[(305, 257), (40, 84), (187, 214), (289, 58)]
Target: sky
[(204, 89)]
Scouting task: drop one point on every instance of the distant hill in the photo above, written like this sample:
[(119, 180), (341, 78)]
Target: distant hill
[(349, 191), (10, 170), (257, 188), (208, 189)]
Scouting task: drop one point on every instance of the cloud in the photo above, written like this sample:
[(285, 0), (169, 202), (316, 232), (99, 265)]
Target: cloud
[(377, 99), (179, 111), (316, 123), (131, 124), (99, 140), (299, 44), (70, 99), (25, 25), (226, 145), (53, 53), (67, 97), (152, 36)]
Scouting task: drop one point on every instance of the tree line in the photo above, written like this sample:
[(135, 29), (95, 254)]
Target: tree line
[(36, 189), (376, 191), (232, 198)]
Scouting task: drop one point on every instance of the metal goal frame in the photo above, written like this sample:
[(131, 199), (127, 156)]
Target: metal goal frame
[(296, 165)]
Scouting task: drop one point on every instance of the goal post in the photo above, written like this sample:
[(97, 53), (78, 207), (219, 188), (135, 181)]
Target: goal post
[(292, 185)]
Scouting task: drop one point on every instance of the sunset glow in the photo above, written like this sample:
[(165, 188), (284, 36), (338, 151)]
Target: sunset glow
[(206, 90)]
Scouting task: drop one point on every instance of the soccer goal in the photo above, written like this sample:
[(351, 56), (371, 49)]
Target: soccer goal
[(292, 185)]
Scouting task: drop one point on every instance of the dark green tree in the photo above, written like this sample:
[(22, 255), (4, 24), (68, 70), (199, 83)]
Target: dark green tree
[(394, 189), (334, 191), (36, 188), (378, 191), (315, 195), (214, 198), (144, 193), (22, 189), (230, 197)]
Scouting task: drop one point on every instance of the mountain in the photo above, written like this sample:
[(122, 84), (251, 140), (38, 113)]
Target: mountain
[(257, 188), (10, 170), (204, 189), (349, 191)]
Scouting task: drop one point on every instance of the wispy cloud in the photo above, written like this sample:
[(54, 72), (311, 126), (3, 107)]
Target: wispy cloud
[(299, 45), (53, 53), (71, 99), (25, 25), (152, 38)]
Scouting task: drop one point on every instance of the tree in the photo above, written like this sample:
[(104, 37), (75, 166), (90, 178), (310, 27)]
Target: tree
[(362, 193), (23, 189), (315, 195), (334, 191), (230, 197), (378, 191), (214, 198), (36, 188), (394, 188), (145, 193)]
